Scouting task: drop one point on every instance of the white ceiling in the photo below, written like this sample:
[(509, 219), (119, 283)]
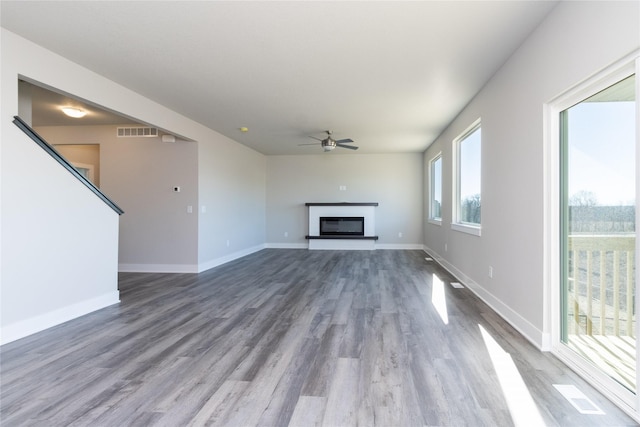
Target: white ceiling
[(388, 74)]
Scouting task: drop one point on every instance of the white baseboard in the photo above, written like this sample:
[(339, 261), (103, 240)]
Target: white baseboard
[(44, 321), (287, 246), (157, 268), (522, 325), (187, 268), (227, 258), (399, 246), (393, 246)]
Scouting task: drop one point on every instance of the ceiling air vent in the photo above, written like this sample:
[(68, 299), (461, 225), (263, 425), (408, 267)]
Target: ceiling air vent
[(130, 132)]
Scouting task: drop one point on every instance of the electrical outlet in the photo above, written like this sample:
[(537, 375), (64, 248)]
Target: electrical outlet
[(228, 243), (286, 234), (445, 247), (189, 209), (400, 234)]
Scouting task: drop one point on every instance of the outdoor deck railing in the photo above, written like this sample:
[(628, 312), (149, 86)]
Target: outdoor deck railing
[(601, 284)]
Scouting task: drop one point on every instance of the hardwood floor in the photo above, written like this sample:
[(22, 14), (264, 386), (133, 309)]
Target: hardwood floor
[(291, 337)]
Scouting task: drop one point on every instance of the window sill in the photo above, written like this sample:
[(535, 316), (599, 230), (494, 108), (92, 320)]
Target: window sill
[(467, 228), (434, 221)]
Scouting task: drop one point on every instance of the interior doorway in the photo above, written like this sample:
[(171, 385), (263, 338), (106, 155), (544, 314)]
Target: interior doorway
[(85, 158)]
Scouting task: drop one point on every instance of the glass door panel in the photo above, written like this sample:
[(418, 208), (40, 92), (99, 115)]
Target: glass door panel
[(598, 230)]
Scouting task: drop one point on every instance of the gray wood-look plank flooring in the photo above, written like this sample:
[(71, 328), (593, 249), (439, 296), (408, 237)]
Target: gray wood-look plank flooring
[(290, 338)]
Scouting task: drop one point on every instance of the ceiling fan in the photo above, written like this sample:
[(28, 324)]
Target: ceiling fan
[(329, 143)]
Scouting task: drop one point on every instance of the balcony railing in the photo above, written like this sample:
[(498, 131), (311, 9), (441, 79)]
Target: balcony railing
[(601, 285), (601, 295)]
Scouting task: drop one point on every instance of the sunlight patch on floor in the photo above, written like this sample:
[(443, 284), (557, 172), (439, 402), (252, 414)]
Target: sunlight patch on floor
[(523, 409), (439, 299)]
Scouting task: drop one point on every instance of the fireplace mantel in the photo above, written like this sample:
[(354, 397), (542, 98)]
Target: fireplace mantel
[(341, 237), (341, 204), (342, 209)]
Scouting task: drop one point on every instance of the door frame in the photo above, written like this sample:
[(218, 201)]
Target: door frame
[(552, 319)]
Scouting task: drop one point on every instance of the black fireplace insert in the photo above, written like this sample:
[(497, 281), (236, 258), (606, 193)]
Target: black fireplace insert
[(342, 226)]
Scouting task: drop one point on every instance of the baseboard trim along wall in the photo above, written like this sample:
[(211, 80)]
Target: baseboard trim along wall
[(390, 246), (228, 258), (522, 325), (157, 268), (187, 268), (44, 321), (399, 246), (287, 246)]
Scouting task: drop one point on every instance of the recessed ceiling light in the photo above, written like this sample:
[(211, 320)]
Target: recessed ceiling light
[(74, 112)]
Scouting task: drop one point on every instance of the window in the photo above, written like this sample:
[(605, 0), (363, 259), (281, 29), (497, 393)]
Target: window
[(467, 149), (435, 189)]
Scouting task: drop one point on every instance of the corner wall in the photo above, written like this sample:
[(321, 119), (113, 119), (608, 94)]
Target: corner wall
[(28, 277), (157, 232)]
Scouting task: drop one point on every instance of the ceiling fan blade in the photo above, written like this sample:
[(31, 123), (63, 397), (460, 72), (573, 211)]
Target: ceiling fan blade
[(317, 139), (350, 147), (311, 143), (342, 141)]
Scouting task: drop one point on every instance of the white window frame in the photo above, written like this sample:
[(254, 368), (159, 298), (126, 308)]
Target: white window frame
[(552, 280), (433, 219), (456, 223)]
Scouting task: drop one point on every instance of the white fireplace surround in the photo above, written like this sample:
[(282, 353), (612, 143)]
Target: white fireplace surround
[(366, 210)]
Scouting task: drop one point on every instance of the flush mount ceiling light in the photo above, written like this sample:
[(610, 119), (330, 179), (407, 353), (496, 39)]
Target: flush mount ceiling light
[(74, 112)]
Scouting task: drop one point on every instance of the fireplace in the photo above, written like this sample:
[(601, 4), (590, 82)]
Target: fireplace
[(342, 226)]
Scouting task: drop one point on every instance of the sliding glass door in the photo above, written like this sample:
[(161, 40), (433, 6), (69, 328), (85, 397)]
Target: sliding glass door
[(598, 231)]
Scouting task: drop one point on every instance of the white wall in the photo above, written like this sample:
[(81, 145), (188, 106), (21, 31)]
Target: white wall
[(156, 231), (59, 241), (575, 41), (393, 180), (223, 187), (232, 190)]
